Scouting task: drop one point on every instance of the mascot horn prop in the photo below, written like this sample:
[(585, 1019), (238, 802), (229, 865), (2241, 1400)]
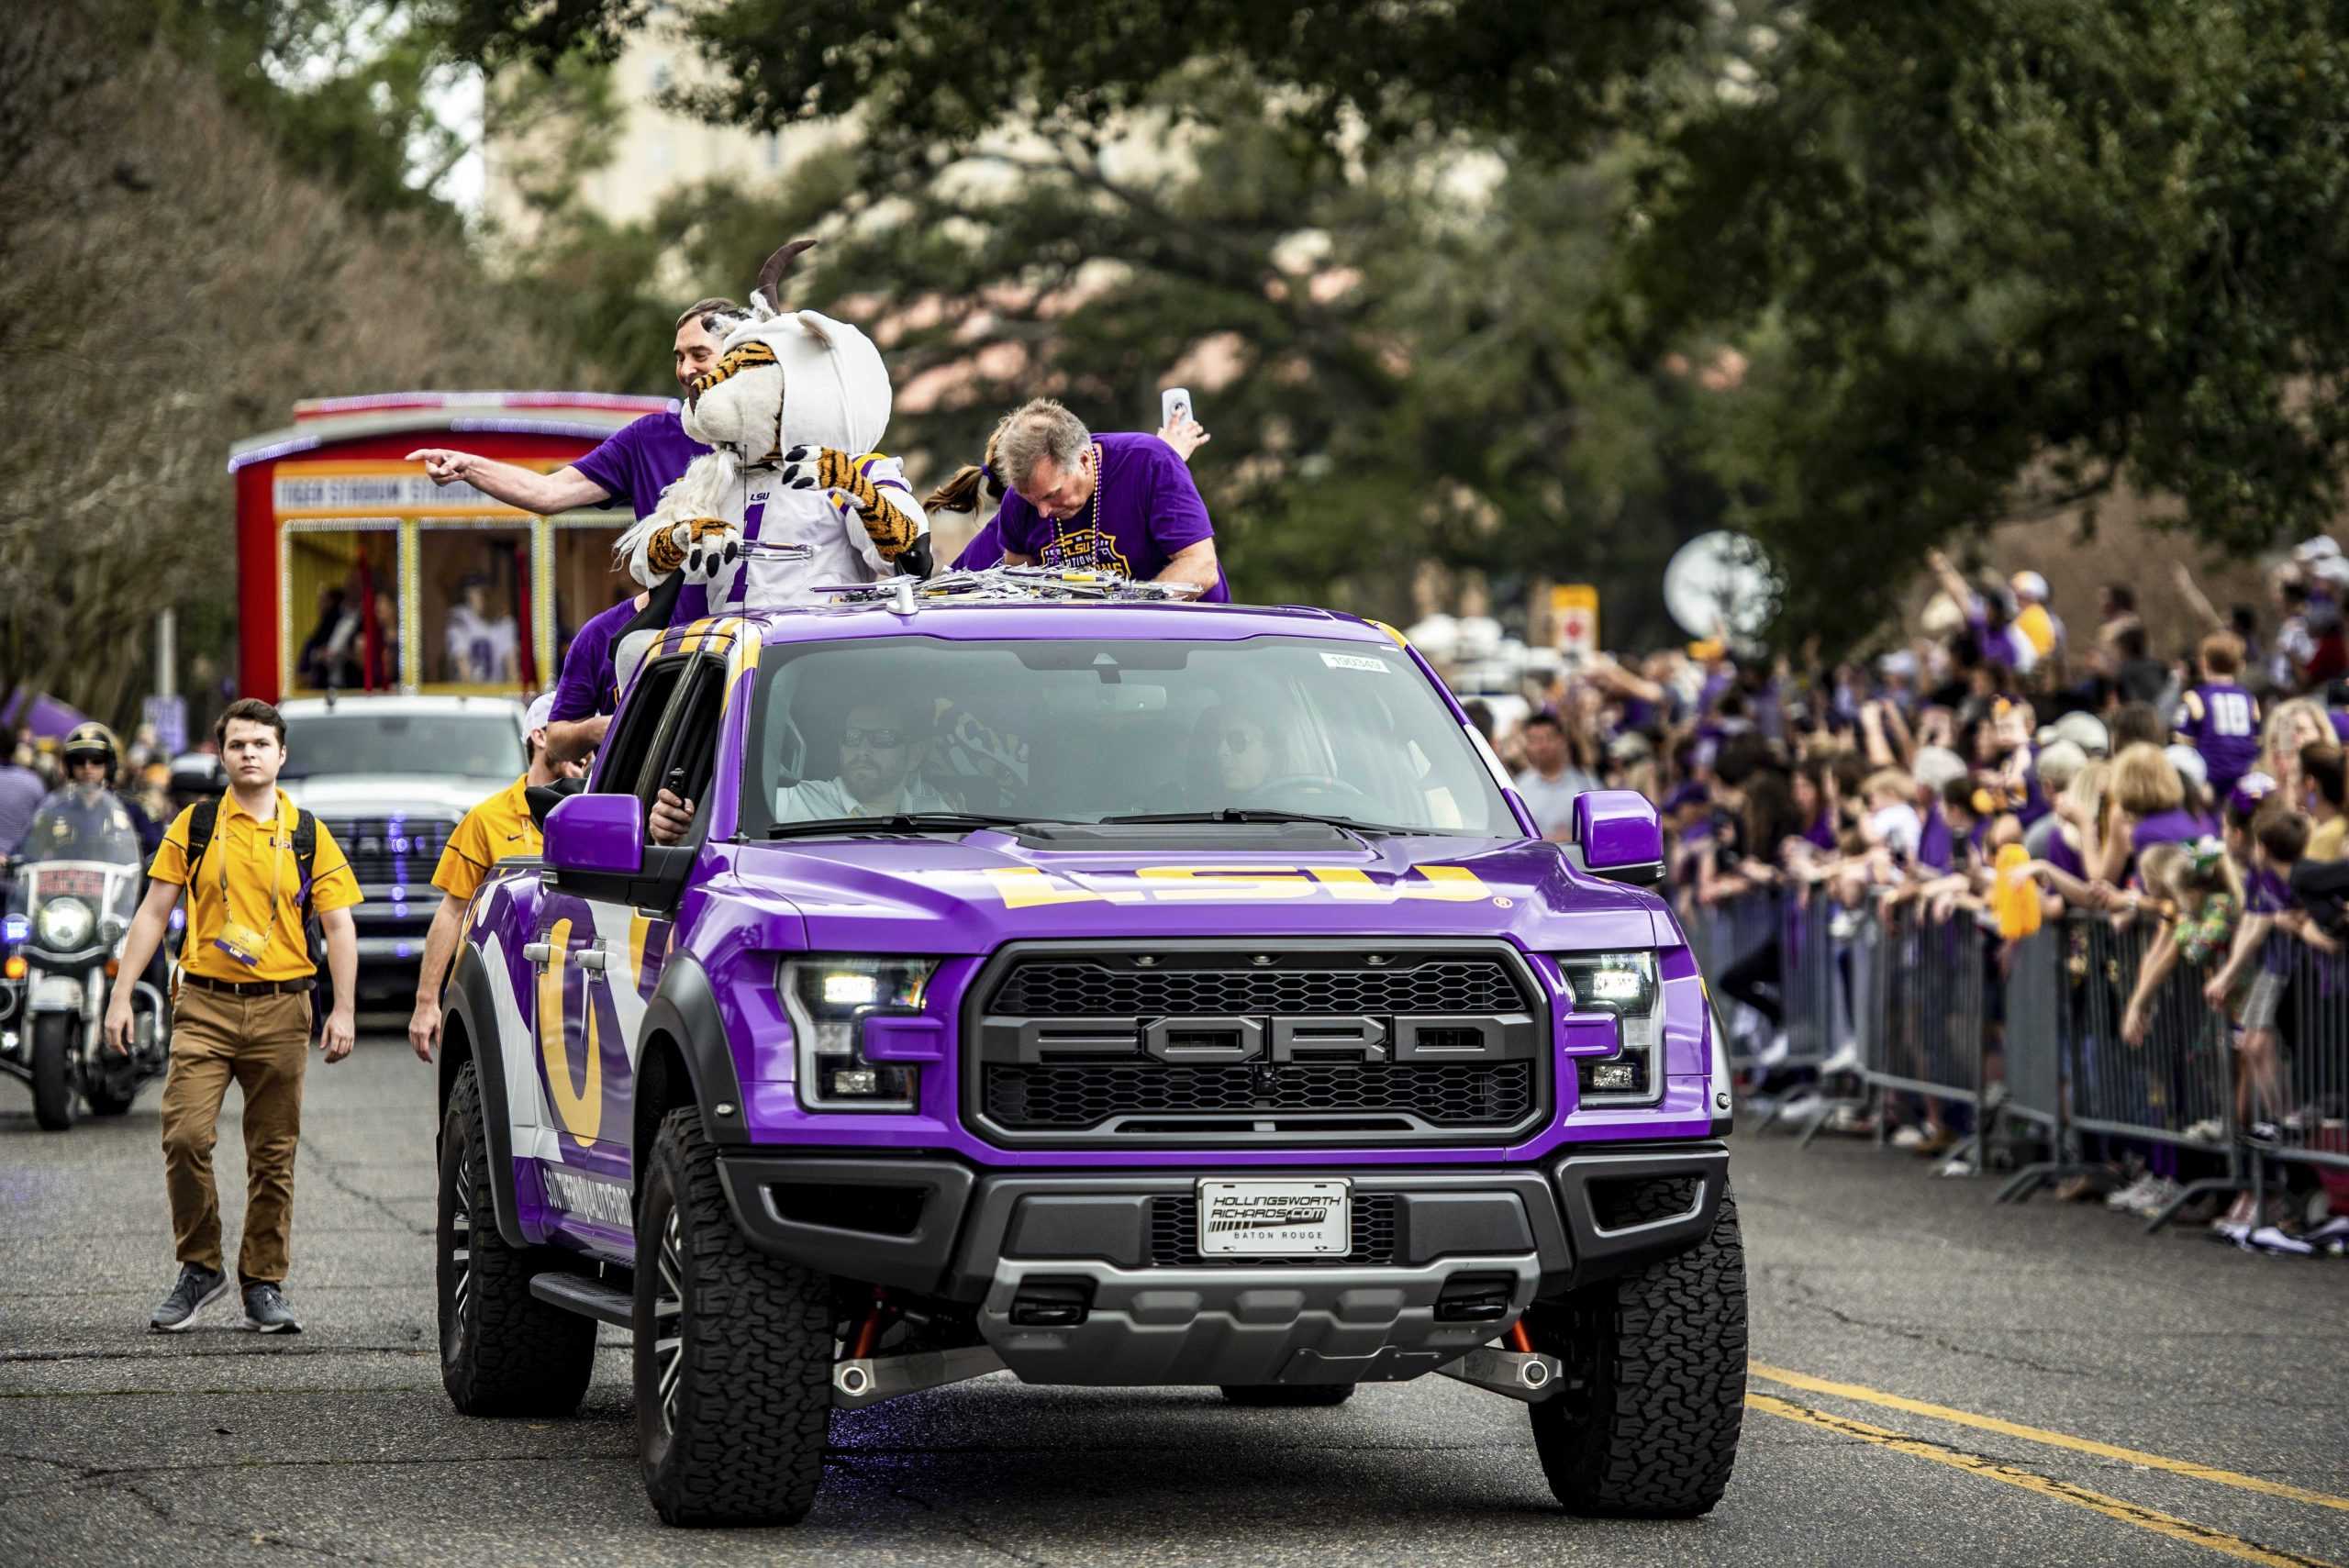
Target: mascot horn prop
[(801, 400)]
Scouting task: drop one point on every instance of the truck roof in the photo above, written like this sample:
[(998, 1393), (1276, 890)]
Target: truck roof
[(979, 620)]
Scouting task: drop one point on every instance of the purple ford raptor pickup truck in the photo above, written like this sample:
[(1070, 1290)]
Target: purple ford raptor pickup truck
[(1114, 993)]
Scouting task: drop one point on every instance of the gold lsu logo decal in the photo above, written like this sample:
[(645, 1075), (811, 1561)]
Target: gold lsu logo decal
[(1026, 887)]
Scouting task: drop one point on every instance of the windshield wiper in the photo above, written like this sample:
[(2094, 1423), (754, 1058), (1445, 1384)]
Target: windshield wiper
[(1257, 814), (902, 822)]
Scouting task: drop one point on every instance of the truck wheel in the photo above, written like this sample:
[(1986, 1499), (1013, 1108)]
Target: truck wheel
[(1287, 1396), (503, 1350), (53, 1091), (733, 1351), (1646, 1424)]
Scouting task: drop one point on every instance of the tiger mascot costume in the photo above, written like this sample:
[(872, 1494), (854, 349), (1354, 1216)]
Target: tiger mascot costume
[(792, 409)]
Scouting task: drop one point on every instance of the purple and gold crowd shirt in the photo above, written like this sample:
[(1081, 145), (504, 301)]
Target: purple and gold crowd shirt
[(2221, 721)]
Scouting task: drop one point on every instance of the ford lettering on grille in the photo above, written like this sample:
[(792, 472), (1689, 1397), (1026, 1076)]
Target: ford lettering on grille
[(1438, 1045)]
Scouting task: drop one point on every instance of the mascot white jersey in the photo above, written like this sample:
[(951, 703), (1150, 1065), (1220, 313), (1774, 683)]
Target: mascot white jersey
[(793, 410)]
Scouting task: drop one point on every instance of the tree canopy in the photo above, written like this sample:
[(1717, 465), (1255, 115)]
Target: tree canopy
[(1984, 256)]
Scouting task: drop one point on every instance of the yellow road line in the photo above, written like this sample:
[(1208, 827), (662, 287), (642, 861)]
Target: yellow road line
[(2042, 1434), (2127, 1513)]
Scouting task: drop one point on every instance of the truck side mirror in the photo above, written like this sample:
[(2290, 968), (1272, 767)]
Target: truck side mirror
[(1620, 836), (596, 833)]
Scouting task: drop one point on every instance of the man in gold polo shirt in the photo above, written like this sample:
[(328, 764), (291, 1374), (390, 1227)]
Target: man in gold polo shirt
[(242, 1011), (498, 828)]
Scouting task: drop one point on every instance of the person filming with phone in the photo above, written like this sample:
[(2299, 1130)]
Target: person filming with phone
[(1107, 502)]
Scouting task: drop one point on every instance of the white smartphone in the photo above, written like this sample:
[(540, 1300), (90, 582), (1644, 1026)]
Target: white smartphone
[(1173, 404)]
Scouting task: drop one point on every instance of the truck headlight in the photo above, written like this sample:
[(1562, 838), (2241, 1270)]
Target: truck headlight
[(829, 998), (63, 925), (1623, 984)]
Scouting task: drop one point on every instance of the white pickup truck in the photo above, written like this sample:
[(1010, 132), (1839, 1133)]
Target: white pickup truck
[(391, 777)]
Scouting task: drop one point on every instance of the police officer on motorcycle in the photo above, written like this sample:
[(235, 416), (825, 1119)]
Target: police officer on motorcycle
[(77, 885), (91, 763)]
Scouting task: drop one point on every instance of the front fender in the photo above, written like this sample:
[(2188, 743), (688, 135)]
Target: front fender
[(685, 1009), (469, 1002), (54, 993)]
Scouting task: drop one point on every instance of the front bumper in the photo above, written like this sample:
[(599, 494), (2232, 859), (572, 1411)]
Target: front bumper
[(1006, 1244)]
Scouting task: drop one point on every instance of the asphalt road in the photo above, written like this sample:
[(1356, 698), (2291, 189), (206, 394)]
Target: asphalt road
[(2226, 1377)]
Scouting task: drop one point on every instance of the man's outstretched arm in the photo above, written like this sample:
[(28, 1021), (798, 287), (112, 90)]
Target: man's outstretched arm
[(545, 494)]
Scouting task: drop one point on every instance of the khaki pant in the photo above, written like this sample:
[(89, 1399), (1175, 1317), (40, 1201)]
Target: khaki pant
[(263, 1042)]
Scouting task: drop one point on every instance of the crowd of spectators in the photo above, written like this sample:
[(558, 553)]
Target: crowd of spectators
[(2192, 788)]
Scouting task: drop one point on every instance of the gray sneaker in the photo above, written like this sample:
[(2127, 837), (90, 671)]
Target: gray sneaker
[(266, 1310), (199, 1289)]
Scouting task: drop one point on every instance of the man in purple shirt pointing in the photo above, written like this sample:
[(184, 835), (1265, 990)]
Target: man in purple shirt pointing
[(633, 465), (1113, 502)]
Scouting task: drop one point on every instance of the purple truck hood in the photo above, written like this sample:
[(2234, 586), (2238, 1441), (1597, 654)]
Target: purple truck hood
[(943, 895)]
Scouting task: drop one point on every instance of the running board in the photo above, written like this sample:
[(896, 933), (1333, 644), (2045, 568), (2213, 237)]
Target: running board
[(588, 1297)]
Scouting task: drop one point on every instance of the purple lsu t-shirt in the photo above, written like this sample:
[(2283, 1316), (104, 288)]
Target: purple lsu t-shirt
[(2221, 721), (984, 550), (2065, 856), (2179, 826), (638, 460), (1148, 509), (2268, 893), (1935, 847), (586, 687)]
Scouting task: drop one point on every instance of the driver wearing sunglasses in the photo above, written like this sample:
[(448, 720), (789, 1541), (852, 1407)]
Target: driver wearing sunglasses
[(882, 747), (1244, 757)]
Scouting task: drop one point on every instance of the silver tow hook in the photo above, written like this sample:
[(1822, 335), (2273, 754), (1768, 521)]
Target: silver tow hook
[(868, 1380), (1516, 1374)]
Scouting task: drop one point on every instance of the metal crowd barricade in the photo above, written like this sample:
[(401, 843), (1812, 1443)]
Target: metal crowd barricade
[(2032, 1046), (1929, 1013), (2310, 1128), (1814, 960), (1722, 936)]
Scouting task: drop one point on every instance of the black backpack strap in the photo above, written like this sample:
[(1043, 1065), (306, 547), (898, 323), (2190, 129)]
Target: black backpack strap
[(202, 817), (306, 853)]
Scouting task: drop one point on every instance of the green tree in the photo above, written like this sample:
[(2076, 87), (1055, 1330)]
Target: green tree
[(1994, 257), (1986, 256), (1399, 356)]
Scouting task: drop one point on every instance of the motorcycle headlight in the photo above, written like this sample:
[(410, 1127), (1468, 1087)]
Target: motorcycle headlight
[(1623, 984), (63, 925), (828, 999)]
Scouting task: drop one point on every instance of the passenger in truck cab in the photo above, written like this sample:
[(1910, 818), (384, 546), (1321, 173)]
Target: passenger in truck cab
[(881, 746)]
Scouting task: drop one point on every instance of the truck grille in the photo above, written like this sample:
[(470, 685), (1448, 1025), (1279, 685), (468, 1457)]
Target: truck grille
[(1327, 1043), (1175, 1235), (1079, 988), (392, 849), (1072, 1096)]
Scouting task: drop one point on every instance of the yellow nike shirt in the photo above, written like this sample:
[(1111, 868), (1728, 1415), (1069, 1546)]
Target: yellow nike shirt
[(498, 828)]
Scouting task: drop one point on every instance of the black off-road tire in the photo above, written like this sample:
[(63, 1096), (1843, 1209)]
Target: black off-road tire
[(1646, 1424), (55, 1095), (736, 1433), (503, 1350), (1288, 1396)]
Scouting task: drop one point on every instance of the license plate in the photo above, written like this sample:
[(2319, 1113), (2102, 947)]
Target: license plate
[(1274, 1220)]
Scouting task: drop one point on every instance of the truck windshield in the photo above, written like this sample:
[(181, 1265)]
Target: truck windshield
[(463, 745), (1089, 730)]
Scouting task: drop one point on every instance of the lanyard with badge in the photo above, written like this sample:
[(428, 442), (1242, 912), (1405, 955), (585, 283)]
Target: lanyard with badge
[(241, 942)]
